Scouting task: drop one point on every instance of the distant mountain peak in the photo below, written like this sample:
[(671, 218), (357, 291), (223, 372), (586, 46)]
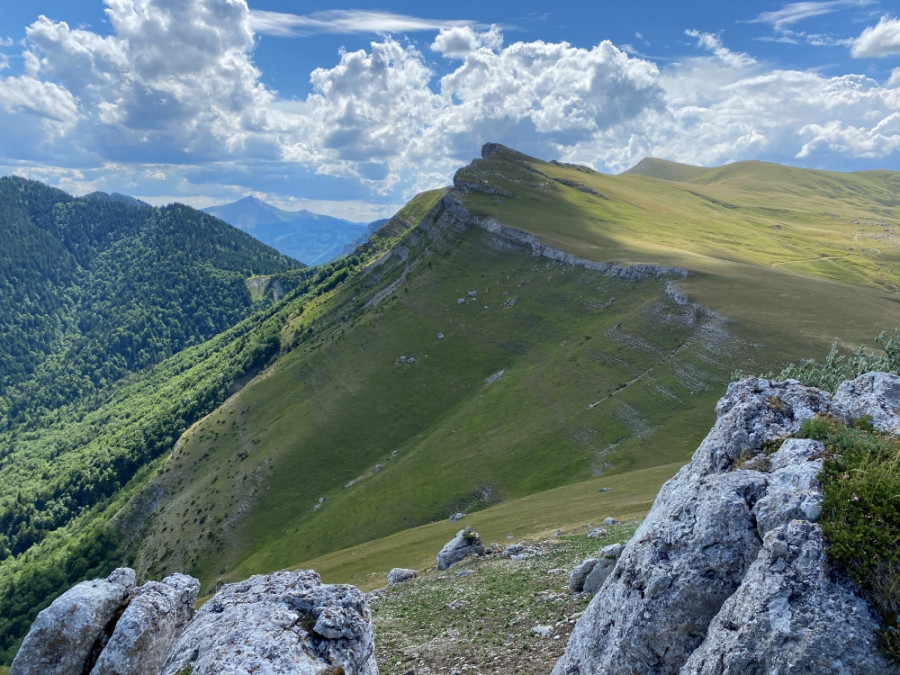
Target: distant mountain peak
[(311, 237)]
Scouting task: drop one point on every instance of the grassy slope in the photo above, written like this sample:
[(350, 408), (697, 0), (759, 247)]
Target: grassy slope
[(342, 403), (760, 237), (786, 254)]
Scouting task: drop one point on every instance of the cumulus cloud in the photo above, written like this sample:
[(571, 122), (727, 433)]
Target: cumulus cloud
[(781, 115), (894, 80), (174, 79), (171, 101), (460, 41), (878, 41)]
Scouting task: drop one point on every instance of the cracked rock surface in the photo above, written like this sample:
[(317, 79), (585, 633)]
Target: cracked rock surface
[(727, 574), (285, 622), (66, 636)]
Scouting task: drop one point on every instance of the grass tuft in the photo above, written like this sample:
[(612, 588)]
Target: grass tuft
[(861, 513)]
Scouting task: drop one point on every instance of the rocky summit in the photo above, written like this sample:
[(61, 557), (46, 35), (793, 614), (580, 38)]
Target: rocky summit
[(728, 574)]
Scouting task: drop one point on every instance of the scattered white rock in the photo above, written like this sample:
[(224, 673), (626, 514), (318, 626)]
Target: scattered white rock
[(542, 630), (400, 574)]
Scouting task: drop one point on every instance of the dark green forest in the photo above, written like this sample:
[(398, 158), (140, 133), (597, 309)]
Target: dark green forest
[(93, 288)]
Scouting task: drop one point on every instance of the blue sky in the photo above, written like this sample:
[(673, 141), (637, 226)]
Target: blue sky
[(351, 110)]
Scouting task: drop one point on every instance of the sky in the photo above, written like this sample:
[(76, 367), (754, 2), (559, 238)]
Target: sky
[(351, 111)]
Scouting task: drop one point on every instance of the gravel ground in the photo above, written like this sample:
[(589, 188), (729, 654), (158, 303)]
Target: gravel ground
[(486, 615)]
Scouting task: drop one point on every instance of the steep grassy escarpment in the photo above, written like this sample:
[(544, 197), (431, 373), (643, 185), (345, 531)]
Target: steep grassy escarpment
[(458, 372)]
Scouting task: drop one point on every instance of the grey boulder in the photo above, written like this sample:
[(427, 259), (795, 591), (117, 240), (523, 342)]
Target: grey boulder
[(66, 636), (147, 629), (580, 573), (285, 622), (606, 561), (399, 574), (465, 543)]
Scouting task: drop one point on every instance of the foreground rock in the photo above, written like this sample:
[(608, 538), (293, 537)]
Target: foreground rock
[(465, 543), (727, 573), (67, 636), (286, 622), (151, 623)]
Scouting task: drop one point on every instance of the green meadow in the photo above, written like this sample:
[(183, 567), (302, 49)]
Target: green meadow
[(546, 377)]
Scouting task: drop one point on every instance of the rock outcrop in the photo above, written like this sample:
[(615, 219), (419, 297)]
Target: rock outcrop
[(148, 627), (465, 543), (400, 574), (286, 622), (727, 573), (452, 213), (67, 636)]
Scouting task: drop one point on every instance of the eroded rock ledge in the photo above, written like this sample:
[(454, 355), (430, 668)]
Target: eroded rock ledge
[(727, 574), (451, 211)]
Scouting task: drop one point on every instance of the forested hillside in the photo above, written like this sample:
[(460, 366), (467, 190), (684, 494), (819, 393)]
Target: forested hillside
[(92, 289), (65, 473)]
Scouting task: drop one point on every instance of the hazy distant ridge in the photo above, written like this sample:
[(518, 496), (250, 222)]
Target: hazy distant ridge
[(311, 237)]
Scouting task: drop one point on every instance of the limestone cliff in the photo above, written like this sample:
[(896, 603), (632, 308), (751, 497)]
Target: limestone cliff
[(728, 574)]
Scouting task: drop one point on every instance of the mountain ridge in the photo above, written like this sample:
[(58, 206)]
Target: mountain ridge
[(527, 373)]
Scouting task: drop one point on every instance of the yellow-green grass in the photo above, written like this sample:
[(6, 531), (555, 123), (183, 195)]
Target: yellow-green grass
[(776, 220), (569, 508), (587, 386)]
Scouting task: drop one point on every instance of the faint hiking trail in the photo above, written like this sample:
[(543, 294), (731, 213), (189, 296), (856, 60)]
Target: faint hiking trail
[(816, 259)]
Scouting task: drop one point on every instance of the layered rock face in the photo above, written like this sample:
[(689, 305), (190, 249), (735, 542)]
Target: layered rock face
[(286, 622), (727, 574)]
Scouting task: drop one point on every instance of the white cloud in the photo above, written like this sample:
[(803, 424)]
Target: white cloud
[(878, 41), (799, 11), (173, 79), (460, 41), (344, 21), (712, 42), (781, 115), (894, 80), (170, 103), (782, 22)]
